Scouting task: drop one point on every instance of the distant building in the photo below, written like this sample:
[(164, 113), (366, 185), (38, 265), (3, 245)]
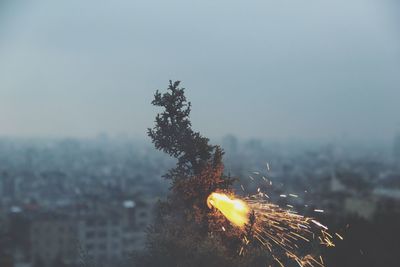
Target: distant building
[(54, 239), (336, 185), (7, 186), (104, 234), (364, 208), (100, 238), (112, 237)]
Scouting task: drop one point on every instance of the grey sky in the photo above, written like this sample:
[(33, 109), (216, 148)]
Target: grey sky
[(271, 69)]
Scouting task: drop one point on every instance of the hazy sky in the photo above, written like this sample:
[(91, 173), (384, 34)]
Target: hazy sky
[(309, 69)]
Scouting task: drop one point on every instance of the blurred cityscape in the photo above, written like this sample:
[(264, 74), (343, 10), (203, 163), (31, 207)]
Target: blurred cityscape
[(89, 202)]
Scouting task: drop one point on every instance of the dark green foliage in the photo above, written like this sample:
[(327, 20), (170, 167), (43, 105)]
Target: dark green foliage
[(186, 232), (199, 169), (173, 134)]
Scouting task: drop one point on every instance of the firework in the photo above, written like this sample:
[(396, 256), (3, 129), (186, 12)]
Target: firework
[(235, 210), (280, 231)]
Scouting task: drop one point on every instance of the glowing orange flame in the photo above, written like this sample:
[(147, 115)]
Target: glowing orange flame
[(235, 210)]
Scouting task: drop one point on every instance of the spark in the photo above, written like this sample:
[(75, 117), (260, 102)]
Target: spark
[(241, 251), (280, 231), (341, 237), (319, 224), (317, 210)]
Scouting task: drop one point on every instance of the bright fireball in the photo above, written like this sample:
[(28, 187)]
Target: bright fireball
[(235, 210)]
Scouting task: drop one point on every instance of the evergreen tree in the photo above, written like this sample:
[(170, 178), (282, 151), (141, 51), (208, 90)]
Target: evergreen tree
[(199, 169), (186, 232)]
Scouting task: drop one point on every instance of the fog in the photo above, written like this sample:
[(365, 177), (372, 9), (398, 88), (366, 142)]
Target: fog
[(269, 69)]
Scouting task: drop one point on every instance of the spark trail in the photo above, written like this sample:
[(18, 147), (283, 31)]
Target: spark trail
[(280, 231)]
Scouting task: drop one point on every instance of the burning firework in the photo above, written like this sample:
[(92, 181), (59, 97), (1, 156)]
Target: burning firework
[(274, 228), (235, 210)]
